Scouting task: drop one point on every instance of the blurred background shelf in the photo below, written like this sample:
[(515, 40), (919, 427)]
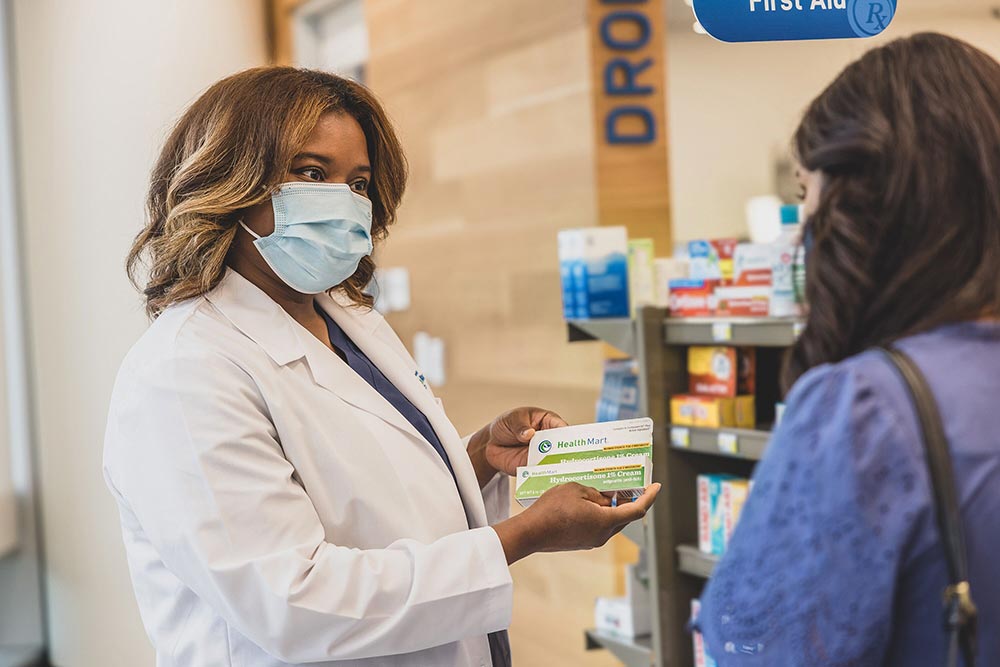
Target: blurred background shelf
[(732, 442), (691, 560), (617, 332), (755, 331), (636, 652)]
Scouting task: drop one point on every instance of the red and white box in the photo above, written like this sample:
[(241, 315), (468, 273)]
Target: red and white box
[(748, 301), (692, 298)]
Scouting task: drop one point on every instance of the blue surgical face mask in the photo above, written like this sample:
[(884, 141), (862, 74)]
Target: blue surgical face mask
[(321, 233)]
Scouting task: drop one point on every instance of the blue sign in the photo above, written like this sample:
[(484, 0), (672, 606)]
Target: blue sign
[(776, 20)]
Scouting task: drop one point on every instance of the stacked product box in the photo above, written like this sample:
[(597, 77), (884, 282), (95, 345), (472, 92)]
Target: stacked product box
[(721, 383), (720, 502), (613, 457), (619, 397), (701, 656), (593, 267)]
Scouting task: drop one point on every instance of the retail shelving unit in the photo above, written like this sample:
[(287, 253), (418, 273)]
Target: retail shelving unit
[(677, 569)]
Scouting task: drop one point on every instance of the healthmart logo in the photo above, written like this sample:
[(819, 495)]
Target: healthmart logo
[(544, 446)]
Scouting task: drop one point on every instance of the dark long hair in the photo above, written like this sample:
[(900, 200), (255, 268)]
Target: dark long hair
[(906, 236)]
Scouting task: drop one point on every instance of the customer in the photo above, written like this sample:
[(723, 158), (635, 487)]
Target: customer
[(837, 559)]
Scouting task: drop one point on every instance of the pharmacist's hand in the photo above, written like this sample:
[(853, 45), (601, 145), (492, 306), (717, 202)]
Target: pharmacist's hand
[(505, 444), (569, 517)]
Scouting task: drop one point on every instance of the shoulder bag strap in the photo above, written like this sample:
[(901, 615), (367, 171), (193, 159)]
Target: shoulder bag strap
[(960, 612)]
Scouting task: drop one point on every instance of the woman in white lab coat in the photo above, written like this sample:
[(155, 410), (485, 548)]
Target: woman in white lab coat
[(290, 490)]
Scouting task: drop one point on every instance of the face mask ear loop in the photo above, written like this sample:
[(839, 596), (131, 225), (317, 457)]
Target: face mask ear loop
[(250, 231)]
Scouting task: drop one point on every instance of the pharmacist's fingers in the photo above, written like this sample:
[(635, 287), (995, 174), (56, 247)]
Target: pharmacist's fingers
[(629, 512), (595, 496)]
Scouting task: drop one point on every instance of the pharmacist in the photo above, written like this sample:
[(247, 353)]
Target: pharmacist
[(290, 490)]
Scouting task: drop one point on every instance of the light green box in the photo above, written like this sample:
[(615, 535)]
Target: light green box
[(626, 437), (627, 475)]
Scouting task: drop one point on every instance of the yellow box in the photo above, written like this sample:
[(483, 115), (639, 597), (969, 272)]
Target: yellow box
[(713, 411)]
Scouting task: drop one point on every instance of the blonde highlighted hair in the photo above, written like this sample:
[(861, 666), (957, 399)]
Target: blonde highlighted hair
[(228, 152)]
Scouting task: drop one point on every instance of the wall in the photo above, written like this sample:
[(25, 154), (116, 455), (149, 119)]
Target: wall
[(492, 101), (733, 107), (98, 82)]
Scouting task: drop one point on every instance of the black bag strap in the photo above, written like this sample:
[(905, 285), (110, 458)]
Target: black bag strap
[(960, 611)]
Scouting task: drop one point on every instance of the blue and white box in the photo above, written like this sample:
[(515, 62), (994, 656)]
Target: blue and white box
[(594, 271)]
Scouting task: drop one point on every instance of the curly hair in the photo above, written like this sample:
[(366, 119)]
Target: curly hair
[(906, 235), (229, 151)]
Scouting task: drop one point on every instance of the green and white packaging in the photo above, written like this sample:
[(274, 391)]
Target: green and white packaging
[(627, 437), (626, 475)]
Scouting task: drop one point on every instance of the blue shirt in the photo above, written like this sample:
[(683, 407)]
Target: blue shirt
[(836, 559)]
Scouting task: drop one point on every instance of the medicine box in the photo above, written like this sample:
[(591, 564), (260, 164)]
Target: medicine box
[(752, 264), (712, 259), (711, 523), (743, 301), (628, 616), (692, 298), (594, 269), (721, 371), (701, 656), (641, 279), (734, 494), (624, 478), (604, 440), (712, 411)]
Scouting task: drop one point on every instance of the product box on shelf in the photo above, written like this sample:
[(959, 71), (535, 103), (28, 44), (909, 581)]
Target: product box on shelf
[(641, 280), (712, 259), (713, 411), (743, 301), (752, 264), (721, 371), (734, 494), (665, 270), (604, 440), (629, 616), (594, 268), (622, 479), (711, 523), (701, 656), (692, 298), (619, 397)]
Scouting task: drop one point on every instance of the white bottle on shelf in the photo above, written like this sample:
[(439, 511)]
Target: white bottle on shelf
[(784, 301)]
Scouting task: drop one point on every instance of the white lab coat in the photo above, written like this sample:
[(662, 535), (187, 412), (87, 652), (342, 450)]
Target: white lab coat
[(277, 510)]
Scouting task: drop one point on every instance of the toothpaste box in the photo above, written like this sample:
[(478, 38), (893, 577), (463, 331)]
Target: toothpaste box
[(692, 298), (713, 259), (710, 519), (734, 494), (713, 411), (721, 371), (625, 477), (701, 656), (627, 437)]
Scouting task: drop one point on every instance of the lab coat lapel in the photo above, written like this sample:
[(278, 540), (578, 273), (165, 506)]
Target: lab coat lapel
[(372, 334)]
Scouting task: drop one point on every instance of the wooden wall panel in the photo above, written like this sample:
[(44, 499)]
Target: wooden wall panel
[(492, 102)]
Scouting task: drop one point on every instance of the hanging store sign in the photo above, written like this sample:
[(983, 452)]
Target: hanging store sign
[(777, 20)]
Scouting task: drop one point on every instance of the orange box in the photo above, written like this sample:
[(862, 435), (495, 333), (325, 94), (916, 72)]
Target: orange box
[(713, 411), (721, 371)]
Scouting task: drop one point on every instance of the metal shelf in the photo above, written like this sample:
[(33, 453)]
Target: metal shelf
[(617, 332), (693, 561), (761, 331), (737, 443), (636, 652)]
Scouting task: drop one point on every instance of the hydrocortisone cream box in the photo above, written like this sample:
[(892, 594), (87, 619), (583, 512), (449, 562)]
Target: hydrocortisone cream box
[(627, 437), (710, 519), (627, 477)]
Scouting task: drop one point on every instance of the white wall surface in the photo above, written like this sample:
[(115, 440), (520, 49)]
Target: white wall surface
[(99, 83), (732, 107)]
